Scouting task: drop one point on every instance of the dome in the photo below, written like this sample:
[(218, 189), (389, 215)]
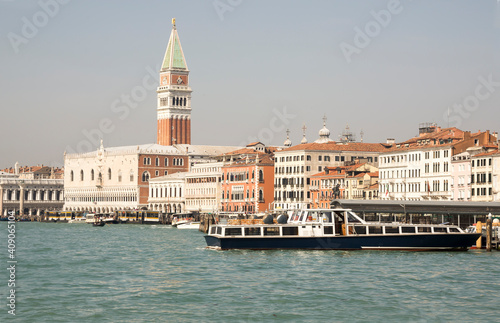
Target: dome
[(288, 142), (324, 132)]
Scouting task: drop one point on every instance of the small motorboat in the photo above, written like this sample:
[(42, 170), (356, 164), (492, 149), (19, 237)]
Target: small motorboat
[(99, 224), (189, 225)]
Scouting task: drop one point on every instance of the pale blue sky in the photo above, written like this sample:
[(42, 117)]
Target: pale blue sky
[(247, 64)]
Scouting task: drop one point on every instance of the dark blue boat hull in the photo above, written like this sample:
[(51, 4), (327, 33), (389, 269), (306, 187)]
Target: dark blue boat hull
[(378, 242)]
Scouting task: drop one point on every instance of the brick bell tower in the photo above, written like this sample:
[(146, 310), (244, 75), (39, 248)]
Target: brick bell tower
[(174, 96)]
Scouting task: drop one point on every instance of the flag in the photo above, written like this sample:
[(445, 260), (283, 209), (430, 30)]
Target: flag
[(386, 189)]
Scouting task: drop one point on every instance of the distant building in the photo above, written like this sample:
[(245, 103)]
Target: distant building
[(35, 172), (295, 165), (247, 182), (485, 169), (117, 178), (167, 193), (358, 181), (30, 191), (203, 187), (460, 177), (420, 168)]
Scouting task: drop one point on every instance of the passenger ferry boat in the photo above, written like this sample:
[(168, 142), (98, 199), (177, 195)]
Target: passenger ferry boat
[(338, 229)]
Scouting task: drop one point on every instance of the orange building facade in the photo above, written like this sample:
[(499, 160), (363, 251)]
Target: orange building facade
[(248, 184)]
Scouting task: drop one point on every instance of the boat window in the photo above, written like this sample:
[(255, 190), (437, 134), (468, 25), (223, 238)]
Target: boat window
[(328, 230), (233, 232), (312, 216), (252, 231), (290, 231), (274, 231), (424, 229), (360, 229), (407, 229), (212, 230), (454, 230), (296, 215), (339, 216), (375, 230), (440, 230), (219, 230), (327, 217), (391, 230), (301, 215), (352, 217)]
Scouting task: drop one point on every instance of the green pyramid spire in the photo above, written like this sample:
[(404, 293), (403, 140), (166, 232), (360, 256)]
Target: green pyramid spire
[(174, 56)]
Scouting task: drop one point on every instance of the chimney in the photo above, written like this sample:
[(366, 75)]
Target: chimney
[(391, 141)]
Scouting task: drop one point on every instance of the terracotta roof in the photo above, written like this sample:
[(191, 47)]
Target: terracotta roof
[(443, 138), (333, 146), (374, 174), (244, 151), (254, 144), (331, 175), (494, 152), (263, 160)]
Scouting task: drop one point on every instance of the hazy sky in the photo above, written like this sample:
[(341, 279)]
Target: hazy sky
[(257, 68)]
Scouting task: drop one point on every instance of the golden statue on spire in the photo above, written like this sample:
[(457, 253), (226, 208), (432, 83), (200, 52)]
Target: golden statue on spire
[(173, 21)]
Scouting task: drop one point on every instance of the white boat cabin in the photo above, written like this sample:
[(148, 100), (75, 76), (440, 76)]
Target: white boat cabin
[(328, 222)]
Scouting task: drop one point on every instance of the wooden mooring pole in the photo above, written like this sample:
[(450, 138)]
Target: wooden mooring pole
[(488, 234), (479, 229)]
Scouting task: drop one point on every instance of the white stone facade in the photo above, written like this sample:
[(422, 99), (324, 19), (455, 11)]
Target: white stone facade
[(198, 190), (418, 174), (116, 178), (203, 187), (295, 166), (30, 196), (485, 170), (461, 176), (167, 193)]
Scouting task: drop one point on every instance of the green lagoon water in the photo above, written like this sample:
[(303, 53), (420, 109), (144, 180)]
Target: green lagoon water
[(140, 273)]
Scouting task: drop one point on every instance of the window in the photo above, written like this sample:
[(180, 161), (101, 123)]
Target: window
[(119, 176), (157, 161), (131, 176), (319, 158), (109, 173), (165, 173), (308, 157), (271, 231), (81, 175), (166, 161), (157, 173), (71, 176)]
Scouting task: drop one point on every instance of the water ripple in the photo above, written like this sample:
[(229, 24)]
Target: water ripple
[(137, 273)]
